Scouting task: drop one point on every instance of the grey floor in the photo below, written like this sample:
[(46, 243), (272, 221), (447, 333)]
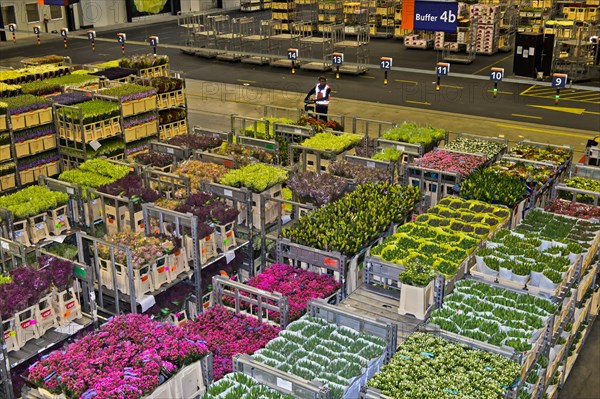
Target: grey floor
[(584, 380)]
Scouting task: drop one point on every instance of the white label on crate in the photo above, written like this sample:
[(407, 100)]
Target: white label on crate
[(147, 302), (95, 145), (70, 191), (285, 219), (228, 193), (170, 151), (59, 238), (370, 164), (525, 53), (285, 384), (531, 51), (400, 148), (298, 131), (4, 245), (229, 256), (519, 49)]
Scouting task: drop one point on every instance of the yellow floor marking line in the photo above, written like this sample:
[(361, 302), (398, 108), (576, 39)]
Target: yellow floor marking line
[(527, 116), (530, 129), (417, 102)]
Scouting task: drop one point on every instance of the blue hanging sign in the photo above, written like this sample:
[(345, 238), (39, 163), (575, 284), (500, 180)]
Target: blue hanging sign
[(436, 16)]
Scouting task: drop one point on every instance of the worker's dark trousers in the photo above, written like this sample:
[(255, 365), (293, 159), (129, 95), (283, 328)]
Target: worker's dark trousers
[(321, 109)]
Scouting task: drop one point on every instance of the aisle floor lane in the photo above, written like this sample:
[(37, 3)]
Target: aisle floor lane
[(584, 96)]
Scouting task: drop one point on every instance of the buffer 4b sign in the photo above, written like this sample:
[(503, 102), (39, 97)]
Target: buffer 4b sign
[(437, 16)]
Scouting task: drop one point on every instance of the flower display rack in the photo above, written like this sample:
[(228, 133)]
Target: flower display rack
[(496, 146), (289, 383), (526, 360), (316, 160), (171, 99), (154, 72), (345, 270), (30, 119), (172, 129), (575, 195), (167, 184), (410, 151), (21, 345), (260, 302), (393, 168)]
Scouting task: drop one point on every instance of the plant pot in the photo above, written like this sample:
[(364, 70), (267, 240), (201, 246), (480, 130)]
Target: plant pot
[(547, 284), (416, 300), (483, 268)]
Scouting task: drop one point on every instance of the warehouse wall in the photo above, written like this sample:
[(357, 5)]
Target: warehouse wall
[(102, 12), (27, 13)]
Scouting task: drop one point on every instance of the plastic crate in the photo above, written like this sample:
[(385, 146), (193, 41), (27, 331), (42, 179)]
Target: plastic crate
[(10, 335), (225, 236), (38, 230), (45, 315), (160, 272), (58, 221), (67, 306), (207, 247), (26, 325), (112, 227), (21, 235), (178, 263)]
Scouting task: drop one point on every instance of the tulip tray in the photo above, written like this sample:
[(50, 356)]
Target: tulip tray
[(173, 129)]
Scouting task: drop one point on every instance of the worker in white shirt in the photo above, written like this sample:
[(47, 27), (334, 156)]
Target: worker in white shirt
[(321, 92)]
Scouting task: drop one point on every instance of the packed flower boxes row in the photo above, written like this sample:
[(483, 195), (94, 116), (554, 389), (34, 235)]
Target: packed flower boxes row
[(37, 213), (33, 301), (542, 254)]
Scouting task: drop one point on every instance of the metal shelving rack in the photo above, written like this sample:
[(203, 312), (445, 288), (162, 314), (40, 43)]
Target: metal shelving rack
[(34, 349), (285, 12), (356, 51), (575, 55), (381, 18)]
